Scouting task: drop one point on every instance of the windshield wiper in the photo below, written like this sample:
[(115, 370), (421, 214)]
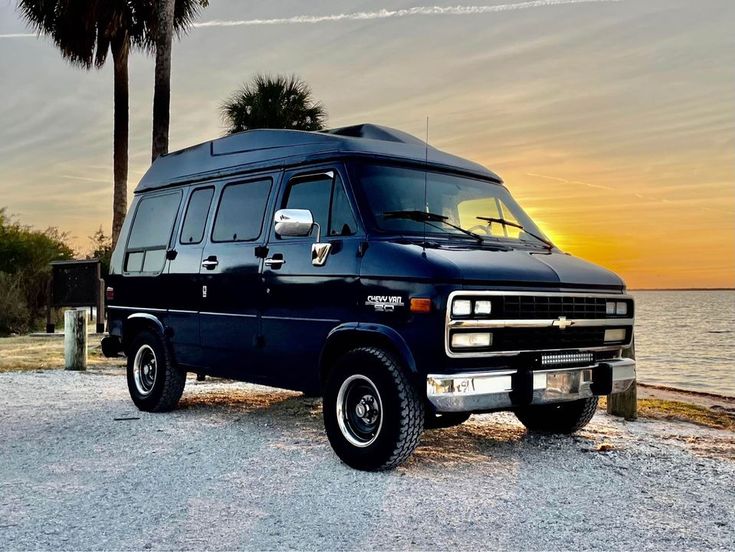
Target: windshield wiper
[(504, 222), (424, 216)]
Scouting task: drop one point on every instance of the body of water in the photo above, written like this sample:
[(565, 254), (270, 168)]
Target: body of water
[(686, 339)]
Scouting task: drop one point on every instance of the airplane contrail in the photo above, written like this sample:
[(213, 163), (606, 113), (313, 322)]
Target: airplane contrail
[(386, 13), (379, 14)]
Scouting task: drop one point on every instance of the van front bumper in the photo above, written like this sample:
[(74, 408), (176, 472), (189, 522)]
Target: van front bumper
[(503, 389)]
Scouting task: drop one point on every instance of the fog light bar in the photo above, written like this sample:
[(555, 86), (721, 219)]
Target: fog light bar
[(473, 339), (617, 334), (483, 307), (462, 307)]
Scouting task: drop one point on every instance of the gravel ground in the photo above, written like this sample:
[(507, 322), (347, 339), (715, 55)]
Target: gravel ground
[(246, 467)]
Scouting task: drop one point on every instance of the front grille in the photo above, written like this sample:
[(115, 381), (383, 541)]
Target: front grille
[(514, 307), (536, 339), (521, 322)]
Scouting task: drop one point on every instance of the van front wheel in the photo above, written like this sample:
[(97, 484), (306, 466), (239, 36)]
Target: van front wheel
[(565, 417), (154, 381), (373, 415)]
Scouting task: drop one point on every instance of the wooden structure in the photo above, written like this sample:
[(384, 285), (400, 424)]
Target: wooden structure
[(75, 339), (625, 404)]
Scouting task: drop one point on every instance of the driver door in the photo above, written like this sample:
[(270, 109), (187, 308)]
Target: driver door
[(304, 301)]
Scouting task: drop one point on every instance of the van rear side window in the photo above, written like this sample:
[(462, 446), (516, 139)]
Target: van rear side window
[(151, 232), (241, 210), (195, 220)]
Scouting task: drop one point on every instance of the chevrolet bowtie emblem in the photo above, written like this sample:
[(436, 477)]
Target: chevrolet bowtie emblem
[(562, 322)]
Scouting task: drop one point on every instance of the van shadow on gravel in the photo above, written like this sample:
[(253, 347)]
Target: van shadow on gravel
[(475, 440)]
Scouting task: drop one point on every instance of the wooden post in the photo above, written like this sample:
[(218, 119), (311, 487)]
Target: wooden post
[(625, 404), (101, 306), (75, 339), (50, 327)]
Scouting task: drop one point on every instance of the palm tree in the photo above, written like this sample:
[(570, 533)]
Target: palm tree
[(171, 16), (273, 102), (85, 32)]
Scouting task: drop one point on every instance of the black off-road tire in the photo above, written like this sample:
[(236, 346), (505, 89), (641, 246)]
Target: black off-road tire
[(444, 420), (168, 382), (402, 410), (563, 418)]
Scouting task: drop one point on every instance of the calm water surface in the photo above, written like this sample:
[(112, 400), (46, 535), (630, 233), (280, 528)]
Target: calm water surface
[(686, 339)]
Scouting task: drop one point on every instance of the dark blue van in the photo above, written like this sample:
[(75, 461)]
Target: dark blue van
[(404, 285)]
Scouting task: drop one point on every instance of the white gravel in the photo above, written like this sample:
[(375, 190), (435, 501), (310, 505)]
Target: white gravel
[(247, 467)]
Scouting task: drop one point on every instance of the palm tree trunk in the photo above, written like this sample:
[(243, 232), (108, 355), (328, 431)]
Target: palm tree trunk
[(120, 51), (162, 85)]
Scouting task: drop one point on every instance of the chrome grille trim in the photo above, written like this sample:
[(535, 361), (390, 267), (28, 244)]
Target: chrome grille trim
[(453, 324)]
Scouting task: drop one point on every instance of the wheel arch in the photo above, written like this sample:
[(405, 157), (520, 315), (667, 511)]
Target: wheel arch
[(137, 322), (355, 334)]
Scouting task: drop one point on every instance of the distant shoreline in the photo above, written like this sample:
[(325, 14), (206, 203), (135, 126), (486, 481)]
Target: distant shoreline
[(683, 289)]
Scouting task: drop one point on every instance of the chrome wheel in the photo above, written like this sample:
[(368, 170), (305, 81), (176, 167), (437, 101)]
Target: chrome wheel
[(359, 410), (145, 367)]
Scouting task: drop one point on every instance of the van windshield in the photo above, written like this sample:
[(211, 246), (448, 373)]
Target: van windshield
[(469, 204)]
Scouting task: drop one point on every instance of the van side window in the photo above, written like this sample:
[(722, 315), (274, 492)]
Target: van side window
[(241, 210), (312, 194), (192, 230), (151, 232), (325, 197), (342, 221)]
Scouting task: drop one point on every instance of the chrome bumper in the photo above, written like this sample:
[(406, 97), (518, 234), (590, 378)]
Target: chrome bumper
[(500, 389)]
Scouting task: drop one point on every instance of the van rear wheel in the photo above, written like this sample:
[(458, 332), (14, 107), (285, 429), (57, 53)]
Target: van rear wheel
[(373, 415), (562, 418), (155, 382)]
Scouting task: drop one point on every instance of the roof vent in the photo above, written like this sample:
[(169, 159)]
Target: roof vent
[(375, 132)]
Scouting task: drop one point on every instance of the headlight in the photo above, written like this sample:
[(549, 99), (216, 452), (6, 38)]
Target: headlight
[(462, 307), (483, 307), (617, 334), (619, 308), (471, 339)]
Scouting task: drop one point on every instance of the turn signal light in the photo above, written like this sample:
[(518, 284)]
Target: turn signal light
[(420, 304)]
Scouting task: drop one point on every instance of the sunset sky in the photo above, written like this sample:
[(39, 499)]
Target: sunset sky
[(612, 122)]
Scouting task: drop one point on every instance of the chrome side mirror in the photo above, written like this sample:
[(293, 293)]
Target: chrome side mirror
[(299, 222), (294, 222)]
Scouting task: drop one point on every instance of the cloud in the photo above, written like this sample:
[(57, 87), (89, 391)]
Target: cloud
[(387, 14), (18, 35)]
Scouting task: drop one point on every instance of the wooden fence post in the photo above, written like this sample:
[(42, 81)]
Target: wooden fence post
[(75, 339), (625, 404), (101, 307)]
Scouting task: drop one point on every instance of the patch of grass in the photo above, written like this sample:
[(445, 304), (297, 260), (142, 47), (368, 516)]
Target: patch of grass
[(43, 353), (661, 409)]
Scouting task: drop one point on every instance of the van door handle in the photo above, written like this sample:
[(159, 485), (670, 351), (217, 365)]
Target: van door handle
[(275, 262), (210, 263)]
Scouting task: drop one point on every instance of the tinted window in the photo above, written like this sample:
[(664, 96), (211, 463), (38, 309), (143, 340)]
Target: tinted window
[(154, 220), (241, 210), (342, 222), (312, 194), (391, 194), (325, 197), (195, 220)]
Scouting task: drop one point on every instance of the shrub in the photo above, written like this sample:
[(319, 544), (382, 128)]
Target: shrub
[(25, 256), (14, 314)]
